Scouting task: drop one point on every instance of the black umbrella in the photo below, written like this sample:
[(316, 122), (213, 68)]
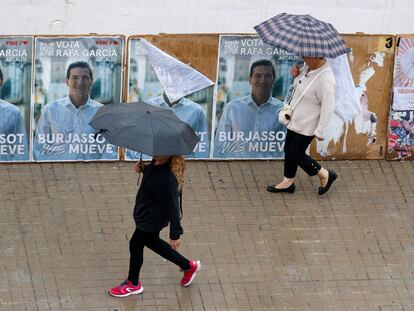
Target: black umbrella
[(144, 128)]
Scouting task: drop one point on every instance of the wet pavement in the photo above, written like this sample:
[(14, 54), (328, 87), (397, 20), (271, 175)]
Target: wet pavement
[(64, 231)]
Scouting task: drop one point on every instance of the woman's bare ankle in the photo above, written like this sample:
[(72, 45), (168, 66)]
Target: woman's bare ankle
[(323, 175), (285, 183)]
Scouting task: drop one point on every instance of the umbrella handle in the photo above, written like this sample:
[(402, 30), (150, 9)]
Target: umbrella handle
[(140, 165), (139, 178)]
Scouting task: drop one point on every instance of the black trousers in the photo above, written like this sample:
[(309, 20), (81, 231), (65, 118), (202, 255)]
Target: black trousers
[(153, 242), (295, 155)]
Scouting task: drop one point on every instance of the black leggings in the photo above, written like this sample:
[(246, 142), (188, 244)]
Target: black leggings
[(153, 242), (295, 155)]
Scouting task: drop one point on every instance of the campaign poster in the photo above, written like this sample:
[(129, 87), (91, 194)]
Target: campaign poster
[(403, 87), (15, 94), (401, 121), (401, 135), (195, 109), (252, 81), (73, 78)]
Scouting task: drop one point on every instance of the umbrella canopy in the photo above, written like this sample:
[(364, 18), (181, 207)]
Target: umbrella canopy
[(144, 128), (302, 35)]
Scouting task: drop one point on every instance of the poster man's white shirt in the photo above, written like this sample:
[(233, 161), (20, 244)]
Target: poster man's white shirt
[(63, 133), (246, 130), (13, 140)]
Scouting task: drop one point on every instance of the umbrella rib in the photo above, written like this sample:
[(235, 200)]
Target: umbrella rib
[(160, 120), (325, 40), (168, 125), (173, 129), (152, 131)]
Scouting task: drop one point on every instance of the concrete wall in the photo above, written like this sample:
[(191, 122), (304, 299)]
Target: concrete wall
[(196, 16)]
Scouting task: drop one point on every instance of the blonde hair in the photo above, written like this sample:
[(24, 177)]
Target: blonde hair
[(177, 166)]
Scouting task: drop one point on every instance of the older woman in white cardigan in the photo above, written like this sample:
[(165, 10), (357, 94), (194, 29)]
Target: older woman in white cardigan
[(311, 117)]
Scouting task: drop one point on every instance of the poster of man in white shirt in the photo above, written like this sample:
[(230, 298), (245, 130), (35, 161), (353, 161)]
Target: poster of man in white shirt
[(253, 79), (15, 82), (144, 85), (74, 77)]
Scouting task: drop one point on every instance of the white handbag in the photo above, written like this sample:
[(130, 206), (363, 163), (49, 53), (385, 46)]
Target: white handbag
[(286, 112)]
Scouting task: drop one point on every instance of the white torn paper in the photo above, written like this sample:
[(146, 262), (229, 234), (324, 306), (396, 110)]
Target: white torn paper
[(177, 79)]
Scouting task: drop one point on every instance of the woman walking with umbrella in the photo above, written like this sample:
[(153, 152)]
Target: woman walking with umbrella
[(314, 97), (160, 133), (157, 205), (313, 91)]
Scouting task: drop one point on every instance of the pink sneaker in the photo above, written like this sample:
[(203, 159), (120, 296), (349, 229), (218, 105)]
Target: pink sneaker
[(125, 289), (190, 274)]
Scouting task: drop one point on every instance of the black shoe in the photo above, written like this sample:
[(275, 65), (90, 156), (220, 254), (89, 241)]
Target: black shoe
[(290, 189), (331, 178)]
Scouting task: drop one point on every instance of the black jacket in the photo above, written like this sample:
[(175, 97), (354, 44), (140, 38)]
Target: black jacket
[(156, 203)]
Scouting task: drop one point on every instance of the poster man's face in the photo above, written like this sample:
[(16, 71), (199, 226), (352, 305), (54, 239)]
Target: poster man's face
[(79, 82), (262, 80)]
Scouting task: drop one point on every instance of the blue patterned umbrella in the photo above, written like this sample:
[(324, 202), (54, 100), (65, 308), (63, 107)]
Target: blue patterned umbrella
[(302, 35)]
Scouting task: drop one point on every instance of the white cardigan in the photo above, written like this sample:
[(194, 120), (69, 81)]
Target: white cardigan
[(312, 115)]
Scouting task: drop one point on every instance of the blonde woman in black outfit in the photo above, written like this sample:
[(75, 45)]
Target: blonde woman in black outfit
[(157, 205)]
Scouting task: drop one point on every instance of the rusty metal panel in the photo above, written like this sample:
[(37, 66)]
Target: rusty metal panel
[(371, 63)]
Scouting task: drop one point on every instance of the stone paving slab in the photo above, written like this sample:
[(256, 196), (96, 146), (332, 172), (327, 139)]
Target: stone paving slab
[(64, 231)]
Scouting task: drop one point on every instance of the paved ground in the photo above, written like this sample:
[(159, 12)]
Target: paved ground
[(64, 231)]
